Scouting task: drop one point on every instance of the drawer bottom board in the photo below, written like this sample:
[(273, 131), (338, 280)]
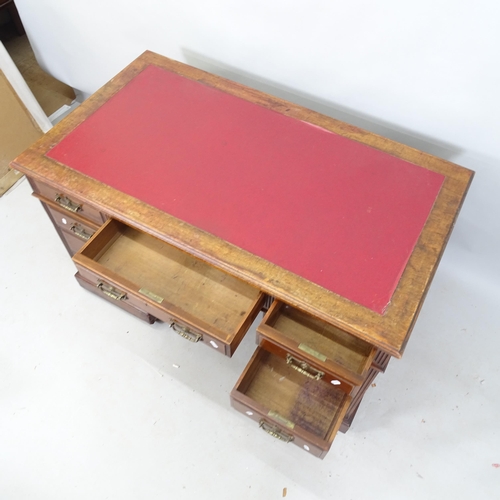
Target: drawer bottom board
[(310, 404)]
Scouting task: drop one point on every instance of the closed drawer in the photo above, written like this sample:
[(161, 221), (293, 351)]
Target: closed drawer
[(72, 242), (91, 287), (201, 302), (289, 405), (67, 202), (70, 222), (315, 345), (73, 230)]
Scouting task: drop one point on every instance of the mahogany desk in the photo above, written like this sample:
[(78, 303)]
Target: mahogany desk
[(190, 199)]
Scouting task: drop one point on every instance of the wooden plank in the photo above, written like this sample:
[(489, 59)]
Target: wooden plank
[(8, 177)]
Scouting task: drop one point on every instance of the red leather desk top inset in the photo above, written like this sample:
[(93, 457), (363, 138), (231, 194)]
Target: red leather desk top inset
[(336, 212)]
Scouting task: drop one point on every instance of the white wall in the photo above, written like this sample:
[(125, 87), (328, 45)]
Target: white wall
[(425, 73)]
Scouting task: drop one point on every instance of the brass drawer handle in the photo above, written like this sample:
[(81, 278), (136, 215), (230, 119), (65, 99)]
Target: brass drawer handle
[(304, 368), (185, 332), (275, 431), (111, 291), (67, 204), (80, 232)]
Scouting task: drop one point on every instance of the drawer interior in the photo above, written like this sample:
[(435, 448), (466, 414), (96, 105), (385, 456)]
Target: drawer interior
[(318, 338), (287, 395), (189, 284)]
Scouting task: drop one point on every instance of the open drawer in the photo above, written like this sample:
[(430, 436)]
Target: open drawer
[(289, 405), (315, 346), (200, 302)]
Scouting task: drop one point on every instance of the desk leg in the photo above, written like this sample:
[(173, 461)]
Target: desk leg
[(379, 364)]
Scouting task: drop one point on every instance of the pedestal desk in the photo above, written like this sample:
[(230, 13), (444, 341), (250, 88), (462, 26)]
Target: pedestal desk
[(190, 199)]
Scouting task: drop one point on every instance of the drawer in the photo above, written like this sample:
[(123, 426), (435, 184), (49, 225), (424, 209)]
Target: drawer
[(73, 230), (289, 405), (72, 242), (307, 369), (69, 222), (68, 203), (315, 345), (73, 223), (200, 302), (123, 304)]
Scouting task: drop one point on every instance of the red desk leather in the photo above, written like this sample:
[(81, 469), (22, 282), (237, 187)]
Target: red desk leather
[(334, 211)]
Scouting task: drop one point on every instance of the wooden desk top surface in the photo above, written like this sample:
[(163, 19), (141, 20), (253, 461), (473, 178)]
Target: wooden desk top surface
[(337, 221)]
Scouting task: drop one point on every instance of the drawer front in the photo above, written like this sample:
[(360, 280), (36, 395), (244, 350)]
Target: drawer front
[(73, 230), (80, 227), (339, 355), (288, 405), (72, 242), (113, 289), (193, 334), (306, 368), (126, 306), (68, 203), (200, 302), (277, 431), (116, 293)]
